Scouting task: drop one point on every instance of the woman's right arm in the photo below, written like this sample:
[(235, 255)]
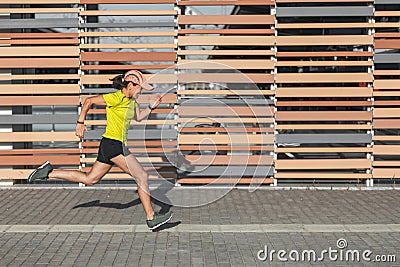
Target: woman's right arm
[(81, 127)]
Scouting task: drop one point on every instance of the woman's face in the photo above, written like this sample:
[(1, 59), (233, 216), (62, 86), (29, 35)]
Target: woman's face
[(134, 90)]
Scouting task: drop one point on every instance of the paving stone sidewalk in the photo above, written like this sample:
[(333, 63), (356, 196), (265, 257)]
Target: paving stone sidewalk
[(167, 248)]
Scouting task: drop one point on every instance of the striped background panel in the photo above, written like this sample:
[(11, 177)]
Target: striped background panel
[(386, 90), (324, 89), (39, 85), (224, 135)]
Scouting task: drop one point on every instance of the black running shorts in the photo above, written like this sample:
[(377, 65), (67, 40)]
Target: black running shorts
[(110, 148)]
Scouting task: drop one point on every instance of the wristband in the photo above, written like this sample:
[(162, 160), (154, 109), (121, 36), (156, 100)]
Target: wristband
[(80, 122)]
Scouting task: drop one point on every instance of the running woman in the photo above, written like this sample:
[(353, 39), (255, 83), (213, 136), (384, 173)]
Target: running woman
[(121, 107)]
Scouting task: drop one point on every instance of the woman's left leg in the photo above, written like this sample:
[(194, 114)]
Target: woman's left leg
[(131, 166)]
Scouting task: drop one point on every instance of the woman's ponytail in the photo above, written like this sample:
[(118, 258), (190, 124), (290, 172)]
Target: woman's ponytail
[(119, 82)]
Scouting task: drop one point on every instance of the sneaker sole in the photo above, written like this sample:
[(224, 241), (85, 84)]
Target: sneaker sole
[(164, 222), (35, 171)]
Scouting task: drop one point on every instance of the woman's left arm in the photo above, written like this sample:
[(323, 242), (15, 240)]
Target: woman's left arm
[(141, 114)]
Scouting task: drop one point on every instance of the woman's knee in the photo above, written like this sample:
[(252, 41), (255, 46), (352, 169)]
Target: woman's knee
[(142, 177), (92, 180)]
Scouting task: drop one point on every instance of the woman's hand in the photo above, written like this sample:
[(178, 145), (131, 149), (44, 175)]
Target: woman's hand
[(155, 100), (80, 130)]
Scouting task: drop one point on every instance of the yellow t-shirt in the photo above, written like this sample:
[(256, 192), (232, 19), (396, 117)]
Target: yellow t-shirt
[(119, 111)]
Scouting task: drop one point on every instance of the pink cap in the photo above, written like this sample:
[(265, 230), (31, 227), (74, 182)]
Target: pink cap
[(137, 77)]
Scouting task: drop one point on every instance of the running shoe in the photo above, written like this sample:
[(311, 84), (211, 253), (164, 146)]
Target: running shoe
[(41, 172), (158, 220)]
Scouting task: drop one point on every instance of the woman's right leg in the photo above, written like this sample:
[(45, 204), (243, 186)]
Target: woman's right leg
[(95, 174)]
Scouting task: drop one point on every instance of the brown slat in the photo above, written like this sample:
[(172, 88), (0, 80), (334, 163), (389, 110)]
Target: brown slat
[(127, 56), (382, 44), (323, 103), (230, 160), (40, 101), (225, 129), (387, 34), (304, 164), (225, 3), (38, 35), (225, 180), (225, 111), (40, 41), (324, 54), (386, 124), (39, 63), (143, 99), (226, 31), (323, 115), (228, 148), (127, 67), (58, 151), (226, 19), (127, 2), (319, 175), (37, 160)]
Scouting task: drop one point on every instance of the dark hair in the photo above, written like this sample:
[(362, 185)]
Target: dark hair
[(119, 82)]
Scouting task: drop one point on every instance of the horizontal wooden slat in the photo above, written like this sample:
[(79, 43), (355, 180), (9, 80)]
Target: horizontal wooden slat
[(127, 2), (229, 160), (226, 92), (226, 120), (38, 137), (381, 84), (323, 149), (226, 64), (324, 40), (119, 45), (324, 103), (40, 2), (226, 77), (325, 54), (323, 77), (125, 34), (324, 25), (39, 51), (40, 101), (7, 89), (226, 19), (386, 113), (386, 173), (319, 175), (227, 52), (41, 151), (105, 78), (386, 123), (319, 164), (386, 150), (323, 1), (200, 147), (38, 160), (127, 56), (16, 77), (39, 63), (323, 116), (323, 63), (27, 35), (226, 40), (225, 180), (225, 139), (225, 111), (128, 12), (323, 127), (225, 2), (224, 129), (323, 92), (227, 31), (37, 10)]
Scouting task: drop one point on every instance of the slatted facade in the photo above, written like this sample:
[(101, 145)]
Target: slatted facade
[(256, 91)]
